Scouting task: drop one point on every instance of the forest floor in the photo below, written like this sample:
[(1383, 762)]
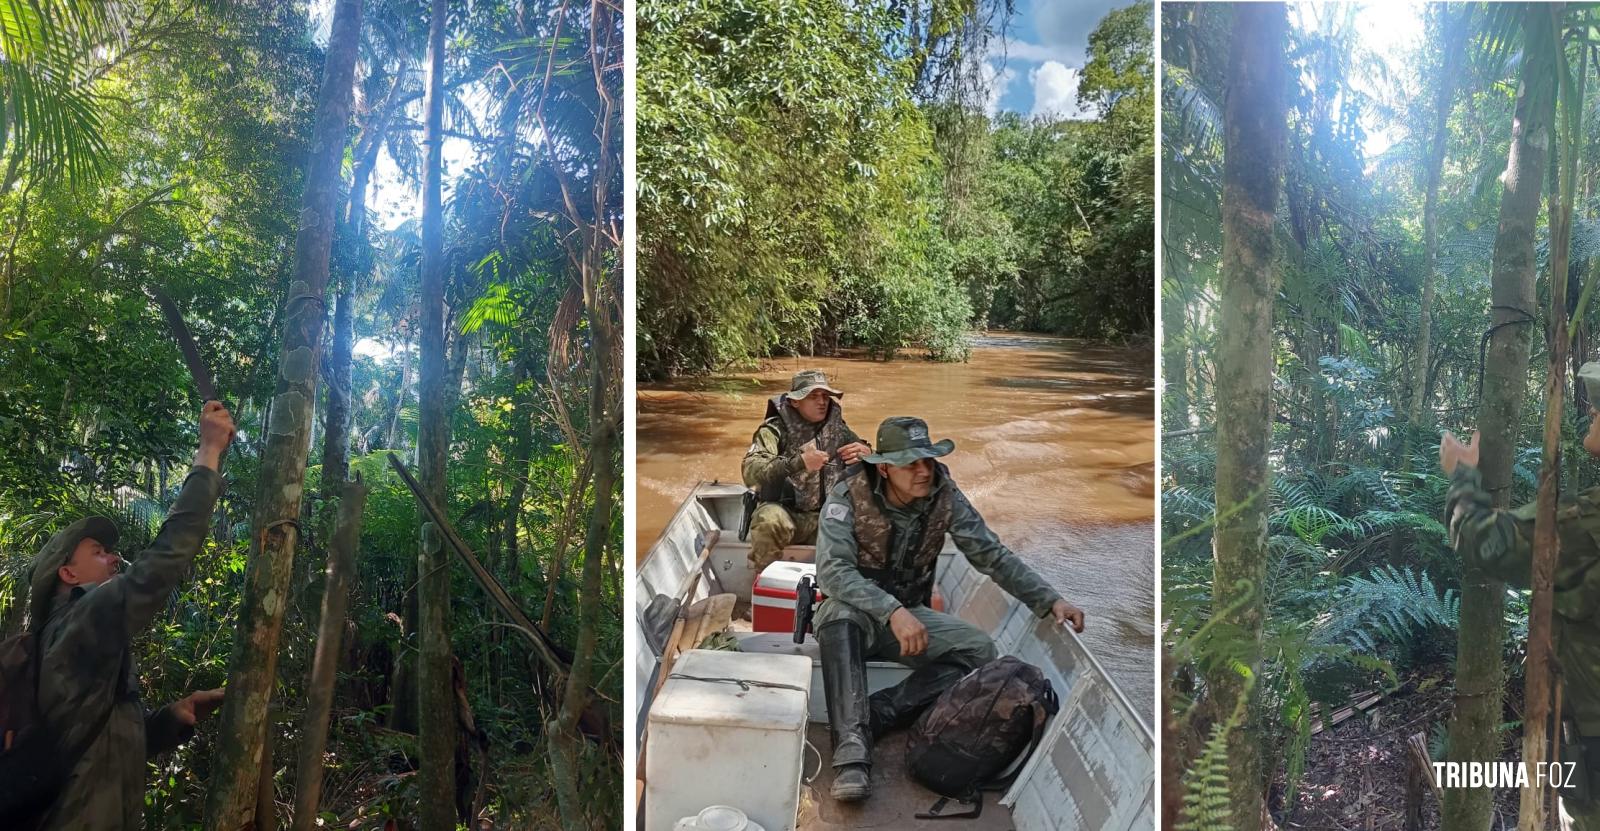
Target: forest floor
[(1357, 770)]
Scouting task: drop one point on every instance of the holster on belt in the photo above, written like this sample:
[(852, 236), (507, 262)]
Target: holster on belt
[(749, 511)]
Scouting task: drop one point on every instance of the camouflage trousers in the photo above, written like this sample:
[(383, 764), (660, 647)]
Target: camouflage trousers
[(774, 526), (950, 639)]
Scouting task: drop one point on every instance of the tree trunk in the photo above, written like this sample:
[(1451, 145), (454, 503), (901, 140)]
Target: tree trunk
[(1417, 415), (1255, 123), (602, 308), (324, 668), (1480, 673), (521, 452), (1537, 687), (435, 701), (391, 433), (230, 803)]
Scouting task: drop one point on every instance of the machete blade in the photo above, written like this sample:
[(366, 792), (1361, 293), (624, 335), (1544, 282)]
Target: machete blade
[(191, 353)]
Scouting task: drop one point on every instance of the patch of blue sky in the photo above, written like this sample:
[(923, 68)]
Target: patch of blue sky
[(1035, 72)]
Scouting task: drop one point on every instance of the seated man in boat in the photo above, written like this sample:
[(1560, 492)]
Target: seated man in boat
[(800, 450), (877, 552)]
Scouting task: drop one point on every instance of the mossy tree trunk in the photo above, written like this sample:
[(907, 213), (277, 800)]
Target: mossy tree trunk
[(1255, 123), (231, 800)]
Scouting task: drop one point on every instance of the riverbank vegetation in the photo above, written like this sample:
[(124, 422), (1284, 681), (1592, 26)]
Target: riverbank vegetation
[(266, 175), (1361, 252), (826, 175)]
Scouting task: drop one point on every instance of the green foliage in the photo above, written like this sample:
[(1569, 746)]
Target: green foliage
[(1389, 605), (1205, 786), (797, 193)]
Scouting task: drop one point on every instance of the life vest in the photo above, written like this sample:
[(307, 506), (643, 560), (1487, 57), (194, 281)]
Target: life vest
[(806, 490), (903, 565)]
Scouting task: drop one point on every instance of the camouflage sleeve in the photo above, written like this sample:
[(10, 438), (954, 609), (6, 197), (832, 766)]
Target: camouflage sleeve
[(764, 464), (163, 732), (139, 594), (838, 573), (990, 556), (1497, 540)]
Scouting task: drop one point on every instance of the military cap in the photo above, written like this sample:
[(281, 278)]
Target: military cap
[(807, 380), (903, 440), (55, 554)]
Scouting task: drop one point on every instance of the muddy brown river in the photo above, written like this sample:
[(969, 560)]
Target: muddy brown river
[(1055, 446)]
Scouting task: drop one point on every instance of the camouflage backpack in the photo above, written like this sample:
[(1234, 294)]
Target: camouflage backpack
[(33, 767), (980, 727)]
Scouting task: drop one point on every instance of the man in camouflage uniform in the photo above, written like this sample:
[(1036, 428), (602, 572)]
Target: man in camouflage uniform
[(86, 614), (877, 553), (797, 455), (1500, 541)]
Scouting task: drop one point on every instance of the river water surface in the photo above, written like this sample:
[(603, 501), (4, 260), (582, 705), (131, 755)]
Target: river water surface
[(1055, 446)]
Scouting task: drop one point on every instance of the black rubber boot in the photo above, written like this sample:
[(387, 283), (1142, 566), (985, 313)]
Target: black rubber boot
[(898, 706), (844, 681)]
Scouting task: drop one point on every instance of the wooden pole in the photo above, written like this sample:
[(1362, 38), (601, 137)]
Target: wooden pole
[(1546, 543), (325, 665)]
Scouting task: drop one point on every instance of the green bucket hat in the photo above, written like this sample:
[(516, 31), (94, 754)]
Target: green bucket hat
[(54, 555), (807, 380), (903, 440)]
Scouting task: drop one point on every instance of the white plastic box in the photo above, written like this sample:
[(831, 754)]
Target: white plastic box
[(715, 742)]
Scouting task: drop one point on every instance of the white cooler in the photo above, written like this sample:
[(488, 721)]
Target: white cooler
[(713, 742)]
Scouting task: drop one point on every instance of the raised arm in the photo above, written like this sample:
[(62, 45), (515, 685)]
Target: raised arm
[(138, 594)]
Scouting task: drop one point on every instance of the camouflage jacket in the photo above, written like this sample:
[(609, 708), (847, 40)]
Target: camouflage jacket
[(838, 557), (774, 462), (1500, 542), (86, 669)]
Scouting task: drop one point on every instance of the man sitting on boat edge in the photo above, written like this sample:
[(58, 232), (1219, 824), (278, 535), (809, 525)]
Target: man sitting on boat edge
[(877, 553), (799, 452)]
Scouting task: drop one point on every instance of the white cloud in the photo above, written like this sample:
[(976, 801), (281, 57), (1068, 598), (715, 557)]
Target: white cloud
[(1055, 90), (1021, 50), (996, 80)]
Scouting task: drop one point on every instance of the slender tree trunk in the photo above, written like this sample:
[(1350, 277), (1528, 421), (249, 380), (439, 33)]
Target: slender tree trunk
[(1480, 674), (1538, 687), (1255, 122), (391, 433), (1418, 417), (324, 668), (435, 701), (602, 310), (230, 802), (521, 451), (403, 685), (1454, 26)]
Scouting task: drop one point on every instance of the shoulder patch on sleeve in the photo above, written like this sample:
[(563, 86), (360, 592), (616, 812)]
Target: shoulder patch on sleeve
[(835, 510)]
